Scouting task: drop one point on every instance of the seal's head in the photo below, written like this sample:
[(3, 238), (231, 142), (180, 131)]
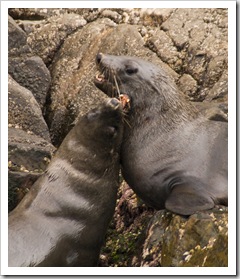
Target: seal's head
[(100, 130), (148, 87), (133, 77), (104, 123)]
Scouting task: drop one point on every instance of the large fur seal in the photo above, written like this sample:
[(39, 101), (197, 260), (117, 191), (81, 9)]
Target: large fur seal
[(172, 157), (63, 219)]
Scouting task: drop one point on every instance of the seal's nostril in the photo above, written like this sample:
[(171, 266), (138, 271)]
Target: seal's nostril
[(99, 58)]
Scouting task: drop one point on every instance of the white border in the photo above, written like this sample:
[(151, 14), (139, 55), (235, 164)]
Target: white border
[(231, 269), (118, 4)]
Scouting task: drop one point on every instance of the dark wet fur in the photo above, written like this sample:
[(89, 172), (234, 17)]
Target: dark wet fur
[(166, 135)]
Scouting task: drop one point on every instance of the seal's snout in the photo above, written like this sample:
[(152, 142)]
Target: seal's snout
[(99, 57), (114, 103)]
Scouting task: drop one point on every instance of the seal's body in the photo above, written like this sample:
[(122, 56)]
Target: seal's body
[(62, 221), (172, 157)]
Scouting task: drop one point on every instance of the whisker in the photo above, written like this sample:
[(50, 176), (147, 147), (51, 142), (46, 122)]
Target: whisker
[(125, 121), (115, 80), (107, 75), (111, 74)]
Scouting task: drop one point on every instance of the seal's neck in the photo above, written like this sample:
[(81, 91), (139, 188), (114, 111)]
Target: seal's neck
[(165, 107)]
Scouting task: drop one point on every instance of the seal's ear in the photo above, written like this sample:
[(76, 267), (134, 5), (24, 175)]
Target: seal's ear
[(187, 198)]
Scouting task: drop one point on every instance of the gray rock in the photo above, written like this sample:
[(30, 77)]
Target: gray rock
[(141, 236), (34, 13), (219, 91), (28, 26), (19, 184), (24, 111), (201, 35), (188, 85), (47, 38), (28, 157), (17, 39), (72, 91), (89, 14), (163, 46), (33, 74), (201, 240), (155, 17), (28, 70), (28, 152), (113, 15)]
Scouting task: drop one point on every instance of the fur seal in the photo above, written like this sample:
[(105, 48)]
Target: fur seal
[(171, 156), (63, 219)]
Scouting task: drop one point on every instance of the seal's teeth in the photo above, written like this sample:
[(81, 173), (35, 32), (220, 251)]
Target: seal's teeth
[(124, 97), (125, 100), (100, 77)]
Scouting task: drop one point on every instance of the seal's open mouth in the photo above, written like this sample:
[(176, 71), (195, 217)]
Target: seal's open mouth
[(106, 85), (106, 80)]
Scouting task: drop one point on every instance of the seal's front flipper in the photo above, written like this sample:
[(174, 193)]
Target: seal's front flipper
[(187, 198)]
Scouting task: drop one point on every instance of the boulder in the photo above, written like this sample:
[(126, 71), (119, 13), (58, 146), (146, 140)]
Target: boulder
[(16, 38), (47, 38), (28, 151), (19, 183), (24, 111), (200, 240), (193, 32), (140, 236), (27, 69), (33, 74), (28, 157)]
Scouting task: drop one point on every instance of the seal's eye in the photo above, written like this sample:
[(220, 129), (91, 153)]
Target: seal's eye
[(131, 70)]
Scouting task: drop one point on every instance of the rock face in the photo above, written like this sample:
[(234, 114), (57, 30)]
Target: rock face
[(29, 147), (24, 111), (27, 69), (51, 70), (51, 34), (140, 236), (33, 74), (200, 240), (28, 157)]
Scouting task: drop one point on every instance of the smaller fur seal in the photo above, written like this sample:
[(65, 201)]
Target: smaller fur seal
[(171, 156), (63, 219)]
